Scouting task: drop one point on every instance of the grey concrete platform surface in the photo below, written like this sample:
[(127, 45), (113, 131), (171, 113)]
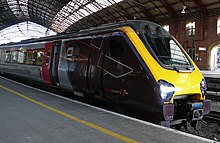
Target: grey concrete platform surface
[(28, 115)]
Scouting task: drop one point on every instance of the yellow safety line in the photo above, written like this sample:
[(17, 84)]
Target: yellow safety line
[(99, 128)]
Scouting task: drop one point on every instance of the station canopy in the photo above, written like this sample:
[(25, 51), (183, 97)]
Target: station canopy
[(61, 16)]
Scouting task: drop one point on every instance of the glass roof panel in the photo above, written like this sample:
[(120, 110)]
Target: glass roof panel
[(19, 8), (86, 13), (76, 10), (23, 31)]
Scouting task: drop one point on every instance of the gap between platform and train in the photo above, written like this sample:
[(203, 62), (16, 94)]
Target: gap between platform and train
[(96, 127)]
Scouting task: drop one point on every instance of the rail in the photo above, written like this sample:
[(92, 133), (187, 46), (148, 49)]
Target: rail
[(215, 96), (213, 115)]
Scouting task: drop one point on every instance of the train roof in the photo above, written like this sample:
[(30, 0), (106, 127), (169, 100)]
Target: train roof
[(135, 24)]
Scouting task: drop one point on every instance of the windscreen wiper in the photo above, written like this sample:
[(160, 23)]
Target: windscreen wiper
[(190, 68), (187, 70)]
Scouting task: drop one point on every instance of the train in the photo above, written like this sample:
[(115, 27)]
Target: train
[(135, 65)]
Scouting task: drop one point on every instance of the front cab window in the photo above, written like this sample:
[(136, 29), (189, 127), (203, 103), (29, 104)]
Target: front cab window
[(165, 49)]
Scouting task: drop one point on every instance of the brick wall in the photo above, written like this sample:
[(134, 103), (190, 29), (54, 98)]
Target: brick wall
[(206, 36)]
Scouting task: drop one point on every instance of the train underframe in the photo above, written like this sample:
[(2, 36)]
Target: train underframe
[(185, 113)]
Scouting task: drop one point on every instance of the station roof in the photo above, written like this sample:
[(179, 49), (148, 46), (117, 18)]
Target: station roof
[(73, 15)]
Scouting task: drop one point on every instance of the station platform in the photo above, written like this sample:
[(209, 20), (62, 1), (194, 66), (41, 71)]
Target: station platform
[(29, 115), (211, 74), (212, 79)]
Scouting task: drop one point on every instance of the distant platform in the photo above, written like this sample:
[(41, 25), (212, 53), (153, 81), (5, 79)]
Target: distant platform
[(211, 74)]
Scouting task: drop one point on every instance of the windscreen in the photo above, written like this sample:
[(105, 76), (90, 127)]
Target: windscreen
[(164, 47)]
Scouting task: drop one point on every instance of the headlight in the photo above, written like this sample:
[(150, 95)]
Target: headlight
[(203, 87), (166, 90)]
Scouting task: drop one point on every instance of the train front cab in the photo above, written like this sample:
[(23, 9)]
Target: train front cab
[(181, 86)]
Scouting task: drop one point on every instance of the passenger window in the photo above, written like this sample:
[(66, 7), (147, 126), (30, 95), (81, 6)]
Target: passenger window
[(116, 49), (30, 57), (14, 57), (11, 56), (21, 57), (8, 57)]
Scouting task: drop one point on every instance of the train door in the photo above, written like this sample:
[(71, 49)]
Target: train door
[(55, 61), (81, 58), (47, 63), (117, 63), (94, 70)]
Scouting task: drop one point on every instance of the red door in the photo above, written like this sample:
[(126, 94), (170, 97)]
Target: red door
[(47, 63)]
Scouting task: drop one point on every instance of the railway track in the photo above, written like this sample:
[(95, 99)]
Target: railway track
[(215, 97), (213, 115)]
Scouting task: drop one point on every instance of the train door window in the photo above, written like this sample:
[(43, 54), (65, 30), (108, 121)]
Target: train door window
[(73, 53), (77, 53), (81, 50), (39, 58), (114, 63), (69, 52), (48, 57)]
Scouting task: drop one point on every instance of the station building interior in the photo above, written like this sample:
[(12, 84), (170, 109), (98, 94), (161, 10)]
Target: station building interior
[(194, 23), (70, 70)]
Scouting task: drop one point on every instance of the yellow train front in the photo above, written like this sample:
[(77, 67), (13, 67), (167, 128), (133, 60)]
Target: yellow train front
[(178, 89)]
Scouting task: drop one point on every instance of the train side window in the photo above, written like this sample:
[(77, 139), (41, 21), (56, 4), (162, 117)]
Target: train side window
[(21, 57), (31, 57), (8, 56), (116, 48), (14, 56), (11, 56)]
